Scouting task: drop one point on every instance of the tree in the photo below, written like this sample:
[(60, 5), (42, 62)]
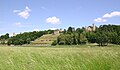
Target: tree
[(61, 39), (79, 31), (25, 37), (83, 39), (9, 41), (28, 40), (54, 43), (91, 36), (6, 36), (64, 31), (77, 38), (69, 30), (68, 39), (102, 38)]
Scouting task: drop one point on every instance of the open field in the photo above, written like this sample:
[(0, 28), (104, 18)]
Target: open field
[(67, 58)]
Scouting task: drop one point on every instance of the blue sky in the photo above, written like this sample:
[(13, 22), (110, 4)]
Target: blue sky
[(29, 15)]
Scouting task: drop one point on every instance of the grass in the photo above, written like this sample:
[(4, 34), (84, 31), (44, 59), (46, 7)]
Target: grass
[(46, 39), (59, 58)]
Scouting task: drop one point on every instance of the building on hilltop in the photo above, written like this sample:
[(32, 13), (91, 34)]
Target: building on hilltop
[(90, 28), (57, 31), (14, 34)]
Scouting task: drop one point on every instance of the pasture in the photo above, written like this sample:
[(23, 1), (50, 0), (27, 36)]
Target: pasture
[(60, 58)]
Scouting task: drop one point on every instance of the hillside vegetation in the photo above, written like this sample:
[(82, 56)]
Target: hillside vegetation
[(23, 38), (102, 35), (46, 39), (66, 58)]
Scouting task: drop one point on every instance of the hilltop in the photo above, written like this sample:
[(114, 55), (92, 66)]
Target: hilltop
[(102, 35)]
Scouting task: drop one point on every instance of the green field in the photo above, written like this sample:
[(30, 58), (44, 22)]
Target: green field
[(59, 58)]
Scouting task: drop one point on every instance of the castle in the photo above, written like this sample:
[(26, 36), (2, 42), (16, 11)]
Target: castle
[(90, 28)]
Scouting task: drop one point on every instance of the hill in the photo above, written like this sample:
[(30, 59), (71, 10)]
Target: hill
[(46, 39)]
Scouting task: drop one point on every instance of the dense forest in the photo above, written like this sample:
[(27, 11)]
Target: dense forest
[(103, 35)]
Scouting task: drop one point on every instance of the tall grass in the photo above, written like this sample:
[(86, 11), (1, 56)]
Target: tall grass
[(32, 58)]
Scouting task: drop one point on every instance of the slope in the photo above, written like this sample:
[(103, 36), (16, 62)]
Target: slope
[(46, 39)]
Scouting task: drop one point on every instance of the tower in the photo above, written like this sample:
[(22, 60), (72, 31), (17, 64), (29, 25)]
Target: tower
[(14, 34), (93, 27)]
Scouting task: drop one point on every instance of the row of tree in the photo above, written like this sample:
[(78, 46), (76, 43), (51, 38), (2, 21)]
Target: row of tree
[(103, 35), (6, 36), (108, 34), (3, 38), (71, 37), (24, 38)]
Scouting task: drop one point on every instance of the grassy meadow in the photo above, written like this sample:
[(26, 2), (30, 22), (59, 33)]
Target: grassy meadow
[(60, 58)]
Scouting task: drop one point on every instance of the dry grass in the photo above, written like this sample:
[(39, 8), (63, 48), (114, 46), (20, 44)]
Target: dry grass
[(46, 39)]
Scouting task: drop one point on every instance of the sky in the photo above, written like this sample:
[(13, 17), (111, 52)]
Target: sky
[(33, 15)]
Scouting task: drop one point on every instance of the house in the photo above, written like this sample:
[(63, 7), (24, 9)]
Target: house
[(57, 31)]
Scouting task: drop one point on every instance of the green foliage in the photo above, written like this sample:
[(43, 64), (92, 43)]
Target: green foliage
[(91, 37), (70, 30), (108, 34), (9, 41), (26, 37), (54, 43), (6, 36), (103, 35), (61, 39), (102, 38), (64, 31), (71, 39), (79, 30), (83, 39)]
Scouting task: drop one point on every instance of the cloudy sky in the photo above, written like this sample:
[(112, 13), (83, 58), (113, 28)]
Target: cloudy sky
[(29, 15)]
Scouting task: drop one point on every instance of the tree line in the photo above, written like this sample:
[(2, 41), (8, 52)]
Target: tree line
[(103, 35), (23, 38)]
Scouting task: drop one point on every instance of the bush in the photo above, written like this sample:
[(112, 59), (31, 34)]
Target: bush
[(54, 43), (61, 43)]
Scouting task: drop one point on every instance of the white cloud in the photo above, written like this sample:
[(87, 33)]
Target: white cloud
[(53, 20), (23, 13), (106, 16), (112, 14), (100, 20)]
